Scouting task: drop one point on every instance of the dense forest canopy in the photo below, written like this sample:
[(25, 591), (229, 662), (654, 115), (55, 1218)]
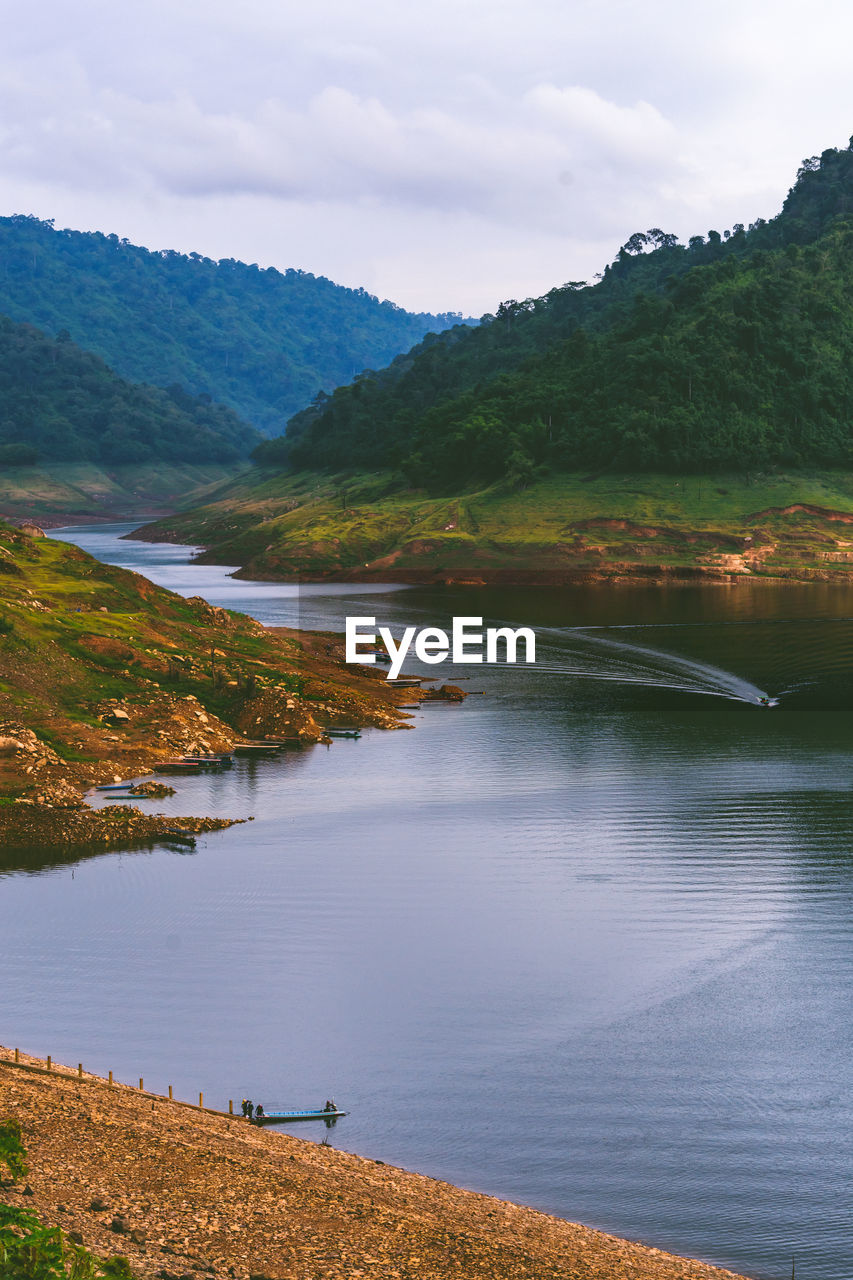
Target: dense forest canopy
[(260, 340), (58, 403), (733, 350)]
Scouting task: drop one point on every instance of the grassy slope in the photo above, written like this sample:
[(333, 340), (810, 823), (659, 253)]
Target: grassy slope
[(558, 528), (61, 493), (79, 638)]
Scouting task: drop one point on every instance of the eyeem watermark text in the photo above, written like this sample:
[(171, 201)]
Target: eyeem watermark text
[(467, 642)]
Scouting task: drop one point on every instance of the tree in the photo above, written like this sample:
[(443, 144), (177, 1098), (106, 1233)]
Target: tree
[(635, 243), (662, 239)]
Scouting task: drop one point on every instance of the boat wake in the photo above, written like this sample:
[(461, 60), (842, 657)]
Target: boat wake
[(591, 657)]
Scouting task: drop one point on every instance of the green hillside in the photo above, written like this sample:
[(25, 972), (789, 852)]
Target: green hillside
[(61, 404), (60, 493), (566, 527), (264, 342), (690, 415), (734, 351)]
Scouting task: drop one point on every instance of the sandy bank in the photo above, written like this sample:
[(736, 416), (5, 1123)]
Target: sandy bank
[(184, 1193)]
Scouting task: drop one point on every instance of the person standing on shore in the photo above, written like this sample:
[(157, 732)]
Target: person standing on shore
[(245, 1108), (250, 1107)]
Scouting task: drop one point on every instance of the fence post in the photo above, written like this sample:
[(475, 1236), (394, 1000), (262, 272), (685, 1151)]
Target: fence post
[(111, 1077), (80, 1070), (17, 1056), (170, 1093), (230, 1106), (201, 1099), (48, 1062), (140, 1082)]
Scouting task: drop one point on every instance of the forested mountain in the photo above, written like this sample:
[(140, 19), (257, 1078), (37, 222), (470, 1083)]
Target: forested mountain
[(262, 341), (732, 351), (58, 403)]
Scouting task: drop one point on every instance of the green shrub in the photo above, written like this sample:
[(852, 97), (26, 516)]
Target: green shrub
[(31, 1251), (13, 1155), (18, 455)]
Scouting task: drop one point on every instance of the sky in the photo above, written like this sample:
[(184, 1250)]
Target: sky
[(446, 154)]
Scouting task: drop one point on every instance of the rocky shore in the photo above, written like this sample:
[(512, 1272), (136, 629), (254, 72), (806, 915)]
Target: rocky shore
[(76, 825), (104, 677), (184, 1193)]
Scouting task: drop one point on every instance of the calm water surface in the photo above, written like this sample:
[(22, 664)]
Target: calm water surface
[(585, 942)]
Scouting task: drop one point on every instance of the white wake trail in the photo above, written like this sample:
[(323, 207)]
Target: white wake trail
[(592, 657)]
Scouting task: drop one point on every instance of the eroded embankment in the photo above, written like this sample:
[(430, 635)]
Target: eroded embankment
[(184, 1193)]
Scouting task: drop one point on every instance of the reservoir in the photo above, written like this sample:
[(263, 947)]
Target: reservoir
[(585, 942)]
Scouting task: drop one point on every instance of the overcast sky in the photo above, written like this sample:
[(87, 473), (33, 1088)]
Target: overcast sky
[(446, 154)]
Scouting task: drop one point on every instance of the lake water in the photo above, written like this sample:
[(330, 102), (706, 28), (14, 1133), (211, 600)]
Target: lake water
[(585, 942)]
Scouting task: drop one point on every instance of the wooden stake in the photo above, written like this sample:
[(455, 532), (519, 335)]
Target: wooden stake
[(111, 1077), (140, 1083), (170, 1093), (80, 1070), (48, 1062)]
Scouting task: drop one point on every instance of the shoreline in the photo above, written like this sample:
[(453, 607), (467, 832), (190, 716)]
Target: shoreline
[(107, 677), (647, 576), (613, 574), (183, 1191)]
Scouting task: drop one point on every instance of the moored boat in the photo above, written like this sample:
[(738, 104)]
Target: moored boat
[(210, 761), (281, 1117), (179, 836)]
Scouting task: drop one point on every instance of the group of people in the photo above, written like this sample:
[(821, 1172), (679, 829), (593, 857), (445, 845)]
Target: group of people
[(253, 1112)]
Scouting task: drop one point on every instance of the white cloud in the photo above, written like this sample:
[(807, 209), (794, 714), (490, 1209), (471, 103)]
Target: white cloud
[(437, 151)]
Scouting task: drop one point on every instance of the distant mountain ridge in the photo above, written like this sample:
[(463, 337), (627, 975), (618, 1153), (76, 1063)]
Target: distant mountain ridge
[(733, 351), (262, 341), (61, 404)]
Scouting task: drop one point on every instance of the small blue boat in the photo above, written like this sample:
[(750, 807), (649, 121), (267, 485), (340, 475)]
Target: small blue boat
[(117, 786), (283, 1117), (210, 762)]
